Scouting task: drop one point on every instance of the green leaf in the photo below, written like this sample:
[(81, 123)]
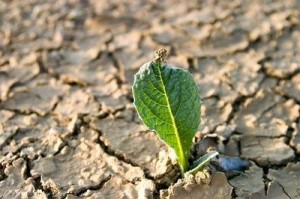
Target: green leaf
[(202, 162), (167, 100)]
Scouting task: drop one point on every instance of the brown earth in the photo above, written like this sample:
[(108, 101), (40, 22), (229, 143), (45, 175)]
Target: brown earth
[(68, 128)]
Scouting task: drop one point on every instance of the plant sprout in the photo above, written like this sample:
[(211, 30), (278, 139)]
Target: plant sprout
[(168, 102)]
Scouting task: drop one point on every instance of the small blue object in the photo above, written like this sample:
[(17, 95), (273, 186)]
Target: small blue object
[(232, 163)]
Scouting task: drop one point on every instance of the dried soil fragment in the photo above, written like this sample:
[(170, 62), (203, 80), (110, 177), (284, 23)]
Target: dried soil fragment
[(275, 190), (119, 188), (242, 72), (167, 35), (249, 184), (221, 45), (288, 178), (13, 74), (214, 112), (217, 84), (76, 169), (5, 116), (131, 140), (99, 76), (6, 133), (291, 88), (89, 45), (5, 86), (266, 115), (17, 71), (36, 136), (41, 43), (211, 142), (166, 172), (76, 102), (15, 186), (27, 102), (282, 68), (136, 53), (81, 57), (218, 187), (266, 150), (270, 24), (285, 61), (39, 97), (225, 130), (295, 141), (231, 148)]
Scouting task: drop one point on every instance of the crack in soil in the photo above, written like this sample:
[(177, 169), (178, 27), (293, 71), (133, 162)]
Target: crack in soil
[(233, 193), (110, 151), (10, 138), (97, 187), (36, 179), (3, 176), (289, 136), (26, 112), (236, 106), (266, 179), (121, 70), (267, 74), (286, 96), (284, 191)]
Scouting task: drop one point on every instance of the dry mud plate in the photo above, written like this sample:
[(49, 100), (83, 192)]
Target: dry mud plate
[(68, 128)]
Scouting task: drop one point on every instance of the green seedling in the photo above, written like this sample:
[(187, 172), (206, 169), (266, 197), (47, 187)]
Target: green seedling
[(168, 102)]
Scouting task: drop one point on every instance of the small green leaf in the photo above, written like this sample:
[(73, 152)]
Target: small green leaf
[(202, 162), (167, 100)]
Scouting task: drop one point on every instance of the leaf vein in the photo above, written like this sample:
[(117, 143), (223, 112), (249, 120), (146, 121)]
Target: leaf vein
[(148, 96), (155, 114), (155, 87), (188, 115)]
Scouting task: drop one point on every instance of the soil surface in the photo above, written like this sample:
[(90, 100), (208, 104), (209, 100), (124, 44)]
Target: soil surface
[(68, 128)]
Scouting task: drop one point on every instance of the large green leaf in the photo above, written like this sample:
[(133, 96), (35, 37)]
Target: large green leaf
[(167, 100)]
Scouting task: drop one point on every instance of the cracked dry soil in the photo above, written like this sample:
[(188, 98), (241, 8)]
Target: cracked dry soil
[(68, 128)]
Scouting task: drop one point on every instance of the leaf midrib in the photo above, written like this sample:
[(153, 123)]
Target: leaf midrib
[(172, 119)]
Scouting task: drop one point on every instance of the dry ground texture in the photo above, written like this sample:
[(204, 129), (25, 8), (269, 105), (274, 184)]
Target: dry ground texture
[(68, 128)]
